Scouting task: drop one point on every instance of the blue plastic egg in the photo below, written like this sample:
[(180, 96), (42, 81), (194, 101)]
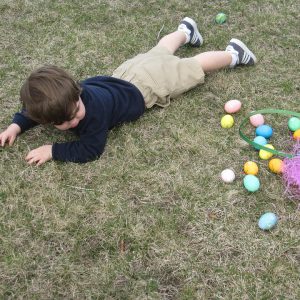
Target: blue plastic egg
[(251, 183), (260, 140), (264, 130), (267, 221)]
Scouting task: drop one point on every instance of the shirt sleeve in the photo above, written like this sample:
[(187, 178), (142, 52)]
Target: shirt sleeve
[(24, 122), (88, 148)]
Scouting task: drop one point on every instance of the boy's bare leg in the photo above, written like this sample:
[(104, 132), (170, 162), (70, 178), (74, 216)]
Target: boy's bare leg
[(214, 60), (209, 61), (236, 53), (173, 41), (187, 33)]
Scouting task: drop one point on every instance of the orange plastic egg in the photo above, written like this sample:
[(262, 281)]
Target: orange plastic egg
[(296, 134), (276, 165), (250, 167)]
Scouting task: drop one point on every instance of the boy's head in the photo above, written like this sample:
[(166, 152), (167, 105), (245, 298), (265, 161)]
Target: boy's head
[(50, 95)]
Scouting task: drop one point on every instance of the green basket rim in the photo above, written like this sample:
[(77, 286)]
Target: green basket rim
[(266, 111)]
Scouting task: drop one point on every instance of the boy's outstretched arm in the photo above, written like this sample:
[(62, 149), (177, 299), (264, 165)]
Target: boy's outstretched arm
[(20, 123), (9, 134), (88, 148), (39, 155)]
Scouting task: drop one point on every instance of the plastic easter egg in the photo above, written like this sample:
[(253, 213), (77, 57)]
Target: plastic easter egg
[(227, 121), (228, 175), (232, 106), (276, 165), (294, 123), (251, 183), (221, 18), (257, 120), (250, 168), (264, 154), (264, 130), (260, 140), (267, 221), (296, 135)]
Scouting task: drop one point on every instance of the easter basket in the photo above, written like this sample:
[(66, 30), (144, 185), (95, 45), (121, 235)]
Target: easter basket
[(291, 161)]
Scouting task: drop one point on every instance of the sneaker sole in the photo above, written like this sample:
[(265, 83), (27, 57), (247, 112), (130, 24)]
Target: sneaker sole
[(193, 23), (245, 48)]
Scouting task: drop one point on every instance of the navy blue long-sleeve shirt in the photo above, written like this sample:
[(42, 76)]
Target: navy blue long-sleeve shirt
[(108, 102)]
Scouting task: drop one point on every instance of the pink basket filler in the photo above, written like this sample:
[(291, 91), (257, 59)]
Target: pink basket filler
[(291, 174)]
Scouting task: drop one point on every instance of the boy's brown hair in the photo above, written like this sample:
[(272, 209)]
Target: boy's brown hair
[(49, 95)]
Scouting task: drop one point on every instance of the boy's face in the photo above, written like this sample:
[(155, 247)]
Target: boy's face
[(79, 115)]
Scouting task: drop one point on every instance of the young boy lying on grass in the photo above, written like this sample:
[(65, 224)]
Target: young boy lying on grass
[(94, 106)]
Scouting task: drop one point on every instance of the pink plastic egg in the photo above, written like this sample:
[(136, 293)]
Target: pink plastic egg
[(232, 106), (257, 120)]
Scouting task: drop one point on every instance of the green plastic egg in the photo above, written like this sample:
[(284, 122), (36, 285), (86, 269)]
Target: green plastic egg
[(221, 18), (251, 183), (294, 123)]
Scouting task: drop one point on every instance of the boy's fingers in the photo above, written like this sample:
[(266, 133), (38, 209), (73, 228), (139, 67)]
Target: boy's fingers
[(35, 157), (2, 140), (40, 162), (35, 160), (6, 138), (32, 161), (11, 140), (29, 156)]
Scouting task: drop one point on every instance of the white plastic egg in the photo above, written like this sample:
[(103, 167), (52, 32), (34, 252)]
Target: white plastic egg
[(228, 175)]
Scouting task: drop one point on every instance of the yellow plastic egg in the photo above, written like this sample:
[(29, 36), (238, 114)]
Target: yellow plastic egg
[(296, 134), (264, 154), (227, 121), (276, 165), (250, 168)]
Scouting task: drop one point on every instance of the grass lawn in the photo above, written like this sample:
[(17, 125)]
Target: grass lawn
[(150, 219)]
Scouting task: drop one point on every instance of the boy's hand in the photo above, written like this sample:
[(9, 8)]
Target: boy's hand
[(9, 134), (39, 155)]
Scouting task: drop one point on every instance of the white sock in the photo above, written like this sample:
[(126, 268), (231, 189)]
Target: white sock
[(186, 31), (234, 56), (234, 59)]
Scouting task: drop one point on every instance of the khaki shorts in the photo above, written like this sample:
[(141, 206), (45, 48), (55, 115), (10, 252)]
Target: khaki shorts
[(159, 75)]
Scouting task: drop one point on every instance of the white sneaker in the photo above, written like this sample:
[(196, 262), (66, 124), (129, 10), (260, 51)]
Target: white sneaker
[(244, 55), (189, 27)]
